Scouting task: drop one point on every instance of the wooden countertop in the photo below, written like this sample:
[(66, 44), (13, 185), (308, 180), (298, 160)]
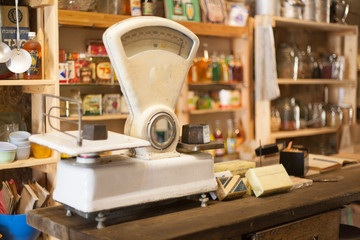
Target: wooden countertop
[(220, 220)]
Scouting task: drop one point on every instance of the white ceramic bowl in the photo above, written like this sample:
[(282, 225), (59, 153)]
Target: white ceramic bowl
[(7, 152), (23, 152), (20, 143), (19, 136)]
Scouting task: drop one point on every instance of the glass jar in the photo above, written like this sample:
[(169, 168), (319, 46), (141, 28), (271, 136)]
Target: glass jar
[(347, 114), (289, 113), (328, 66), (317, 115), (275, 119), (307, 63), (287, 62), (304, 115), (107, 6), (334, 116)]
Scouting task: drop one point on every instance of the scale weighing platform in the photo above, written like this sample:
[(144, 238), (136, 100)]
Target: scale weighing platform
[(151, 56)]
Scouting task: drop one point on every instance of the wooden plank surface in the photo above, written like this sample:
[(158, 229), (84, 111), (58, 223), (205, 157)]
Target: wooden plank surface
[(220, 220), (321, 226), (101, 20)]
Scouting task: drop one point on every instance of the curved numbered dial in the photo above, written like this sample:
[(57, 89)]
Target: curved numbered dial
[(156, 38)]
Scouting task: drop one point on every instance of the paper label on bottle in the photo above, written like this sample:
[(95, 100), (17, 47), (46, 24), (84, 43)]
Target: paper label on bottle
[(103, 71), (35, 62), (231, 145), (147, 8), (135, 7)]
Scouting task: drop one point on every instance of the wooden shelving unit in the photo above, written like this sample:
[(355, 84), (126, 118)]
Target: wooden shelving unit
[(45, 16), (239, 40), (333, 38)]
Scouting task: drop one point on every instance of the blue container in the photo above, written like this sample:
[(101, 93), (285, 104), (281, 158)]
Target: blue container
[(14, 227)]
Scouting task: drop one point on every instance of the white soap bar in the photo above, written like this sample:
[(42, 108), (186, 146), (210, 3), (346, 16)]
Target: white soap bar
[(269, 179)]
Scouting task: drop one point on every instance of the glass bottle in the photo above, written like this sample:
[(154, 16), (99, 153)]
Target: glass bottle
[(275, 119), (289, 113), (177, 7), (204, 66), (85, 70), (126, 9), (317, 115), (34, 48), (238, 70), (307, 63), (146, 7), (316, 72), (218, 136), (193, 73), (72, 5), (240, 134), (298, 63), (285, 58), (333, 116), (230, 138), (231, 67), (215, 68), (224, 69)]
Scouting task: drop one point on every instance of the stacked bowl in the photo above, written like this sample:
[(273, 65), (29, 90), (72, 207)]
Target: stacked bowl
[(21, 140), (7, 152)]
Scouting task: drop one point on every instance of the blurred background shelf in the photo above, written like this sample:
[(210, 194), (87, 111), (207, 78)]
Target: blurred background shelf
[(218, 110), (345, 82), (303, 132), (99, 117), (101, 20)]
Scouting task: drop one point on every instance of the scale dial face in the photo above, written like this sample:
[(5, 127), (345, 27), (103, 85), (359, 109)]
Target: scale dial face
[(156, 38)]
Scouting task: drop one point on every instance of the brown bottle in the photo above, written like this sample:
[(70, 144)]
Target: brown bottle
[(238, 70), (204, 66), (34, 48)]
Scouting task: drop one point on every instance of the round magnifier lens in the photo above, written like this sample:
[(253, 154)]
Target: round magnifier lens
[(161, 131)]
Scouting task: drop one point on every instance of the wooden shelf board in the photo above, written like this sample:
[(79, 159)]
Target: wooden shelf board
[(100, 117), (303, 132), (89, 84), (218, 110), (327, 27), (283, 81), (101, 20), (26, 82), (31, 162), (213, 86), (40, 3)]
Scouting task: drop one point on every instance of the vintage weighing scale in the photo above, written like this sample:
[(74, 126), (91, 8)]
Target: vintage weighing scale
[(152, 56)]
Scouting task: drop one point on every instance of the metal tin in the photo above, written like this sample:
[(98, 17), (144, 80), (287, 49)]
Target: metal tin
[(267, 7), (309, 10), (292, 10), (323, 11)]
